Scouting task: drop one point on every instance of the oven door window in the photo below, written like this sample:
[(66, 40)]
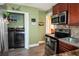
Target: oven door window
[(48, 41), (53, 44)]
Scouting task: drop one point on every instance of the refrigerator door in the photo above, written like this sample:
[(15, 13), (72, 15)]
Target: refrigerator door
[(3, 36), (1, 31)]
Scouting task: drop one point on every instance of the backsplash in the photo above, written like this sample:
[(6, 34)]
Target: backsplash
[(74, 31), (62, 27)]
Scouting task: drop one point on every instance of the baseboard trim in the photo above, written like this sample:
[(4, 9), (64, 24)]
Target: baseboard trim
[(41, 42), (37, 44), (34, 45)]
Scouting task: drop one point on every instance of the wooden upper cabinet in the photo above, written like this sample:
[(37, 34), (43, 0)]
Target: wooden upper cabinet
[(73, 14), (55, 9), (62, 7)]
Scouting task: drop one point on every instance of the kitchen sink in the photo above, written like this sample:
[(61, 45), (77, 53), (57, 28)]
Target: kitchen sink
[(72, 39)]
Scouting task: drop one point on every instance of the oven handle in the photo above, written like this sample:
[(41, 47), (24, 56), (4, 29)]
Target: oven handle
[(54, 40)]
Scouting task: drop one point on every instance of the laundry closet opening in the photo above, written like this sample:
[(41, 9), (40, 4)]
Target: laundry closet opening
[(18, 34)]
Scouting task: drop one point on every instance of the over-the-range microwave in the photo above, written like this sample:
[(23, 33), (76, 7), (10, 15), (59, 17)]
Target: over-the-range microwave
[(63, 17)]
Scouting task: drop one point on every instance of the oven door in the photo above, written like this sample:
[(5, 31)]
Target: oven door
[(48, 42), (54, 45)]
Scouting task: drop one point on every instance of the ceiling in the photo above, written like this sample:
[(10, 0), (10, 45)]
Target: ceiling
[(41, 6)]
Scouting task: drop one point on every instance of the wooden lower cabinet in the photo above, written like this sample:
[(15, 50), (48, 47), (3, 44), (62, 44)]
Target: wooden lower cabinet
[(64, 47)]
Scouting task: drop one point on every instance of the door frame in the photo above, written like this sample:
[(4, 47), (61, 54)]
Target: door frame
[(48, 23), (26, 26)]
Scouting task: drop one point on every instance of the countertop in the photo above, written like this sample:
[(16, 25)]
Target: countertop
[(51, 35), (71, 40)]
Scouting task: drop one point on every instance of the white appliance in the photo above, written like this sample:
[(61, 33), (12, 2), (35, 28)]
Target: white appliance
[(3, 35)]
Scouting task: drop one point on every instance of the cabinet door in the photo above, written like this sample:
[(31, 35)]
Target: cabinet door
[(73, 14), (62, 7), (55, 9), (58, 8), (64, 47)]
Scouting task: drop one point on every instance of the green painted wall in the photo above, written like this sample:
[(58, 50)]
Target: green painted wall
[(42, 18), (18, 23), (36, 32)]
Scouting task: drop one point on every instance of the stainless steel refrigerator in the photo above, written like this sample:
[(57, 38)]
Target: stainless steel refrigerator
[(3, 35)]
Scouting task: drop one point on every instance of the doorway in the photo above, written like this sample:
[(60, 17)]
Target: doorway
[(48, 23), (19, 35), (50, 27)]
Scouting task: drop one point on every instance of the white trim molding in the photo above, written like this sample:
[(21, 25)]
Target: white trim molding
[(34, 45), (26, 26), (37, 44), (41, 42), (16, 11)]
